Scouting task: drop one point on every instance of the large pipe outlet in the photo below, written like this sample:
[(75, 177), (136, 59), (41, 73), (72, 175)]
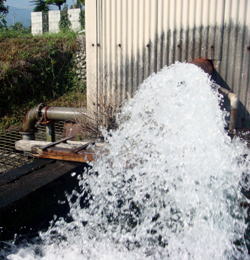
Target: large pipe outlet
[(207, 66)]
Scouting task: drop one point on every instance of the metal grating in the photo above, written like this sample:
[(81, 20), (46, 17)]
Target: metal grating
[(9, 157)]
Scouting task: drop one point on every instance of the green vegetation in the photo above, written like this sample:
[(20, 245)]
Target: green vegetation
[(40, 6), (36, 70), (43, 5), (58, 3), (3, 12), (64, 21)]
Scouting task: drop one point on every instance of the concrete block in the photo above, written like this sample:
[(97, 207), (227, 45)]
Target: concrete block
[(54, 20), (36, 23), (74, 17)]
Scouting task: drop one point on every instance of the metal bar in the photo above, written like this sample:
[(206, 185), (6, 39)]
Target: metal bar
[(57, 142), (83, 147)]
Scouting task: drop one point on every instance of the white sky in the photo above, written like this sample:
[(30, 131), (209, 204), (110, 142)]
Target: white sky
[(26, 4)]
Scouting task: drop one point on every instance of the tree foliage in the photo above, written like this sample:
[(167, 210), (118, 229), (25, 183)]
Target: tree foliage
[(64, 21), (40, 5), (58, 3), (3, 8), (3, 12)]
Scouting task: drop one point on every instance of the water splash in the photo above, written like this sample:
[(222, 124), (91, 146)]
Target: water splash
[(168, 186)]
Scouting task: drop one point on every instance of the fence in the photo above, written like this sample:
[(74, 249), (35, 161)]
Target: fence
[(42, 22)]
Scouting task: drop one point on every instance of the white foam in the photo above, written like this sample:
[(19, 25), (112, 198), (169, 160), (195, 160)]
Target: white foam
[(169, 188)]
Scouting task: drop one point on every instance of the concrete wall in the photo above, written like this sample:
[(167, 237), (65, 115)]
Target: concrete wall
[(127, 40), (54, 20), (74, 17), (39, 21)]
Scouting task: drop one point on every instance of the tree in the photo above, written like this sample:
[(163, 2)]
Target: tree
[(78, 4), (64, 21), (3, 12), (3, 9), (40, 6), (18, 27), (58, 3)]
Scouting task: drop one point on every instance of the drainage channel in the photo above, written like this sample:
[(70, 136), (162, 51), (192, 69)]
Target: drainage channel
[(9, 157)]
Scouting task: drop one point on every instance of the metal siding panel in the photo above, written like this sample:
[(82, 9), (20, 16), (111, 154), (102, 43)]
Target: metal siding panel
[(147, 38), (141, 40), (245, 85), (172, 31), (184, 45), (178, 26), (124, 50), (104, 44), (109, 51), (138, 37), (119, 51), (135, 46), (91, 54), (239, 48), (160, 33), (165, 34)]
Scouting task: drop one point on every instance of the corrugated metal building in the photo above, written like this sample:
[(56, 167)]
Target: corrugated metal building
[(127, 40)]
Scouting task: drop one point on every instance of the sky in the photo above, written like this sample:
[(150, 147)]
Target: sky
[(26, 4)]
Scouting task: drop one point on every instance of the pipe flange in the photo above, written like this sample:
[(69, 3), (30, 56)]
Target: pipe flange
[(39, 109)]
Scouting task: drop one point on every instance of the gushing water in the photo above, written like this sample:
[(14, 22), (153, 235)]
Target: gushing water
[(168, 185)]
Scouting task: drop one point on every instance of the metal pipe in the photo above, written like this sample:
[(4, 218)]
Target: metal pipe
[(46, 114), (207, 66), (62, 113), (234, 102), (29, 122)]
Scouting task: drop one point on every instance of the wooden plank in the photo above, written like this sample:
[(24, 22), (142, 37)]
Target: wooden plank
[(85, 156)]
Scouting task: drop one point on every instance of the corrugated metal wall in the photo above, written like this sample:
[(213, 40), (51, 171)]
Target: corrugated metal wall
[(127, 40)]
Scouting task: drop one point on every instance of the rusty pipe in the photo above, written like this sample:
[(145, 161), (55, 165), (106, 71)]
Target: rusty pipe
[(43, 113), (205, 64)]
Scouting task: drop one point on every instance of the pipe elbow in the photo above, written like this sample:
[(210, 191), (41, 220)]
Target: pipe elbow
[(29, 122), (205, 64), (234, 101)]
